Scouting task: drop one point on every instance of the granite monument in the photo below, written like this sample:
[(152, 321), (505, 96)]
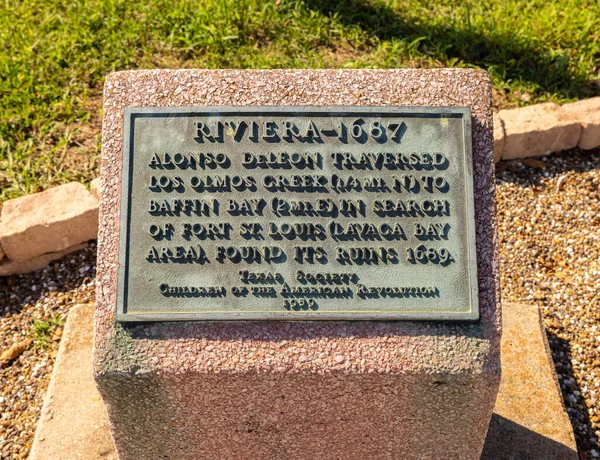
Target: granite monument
[(298, 264)]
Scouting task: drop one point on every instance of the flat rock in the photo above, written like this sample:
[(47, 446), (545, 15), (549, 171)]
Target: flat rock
[(15, 350), (538, 130), (95, 187), (1, 251), (498, 138), (530, 420), (46, 222), (12, 267), (73, 423), (588, 114)]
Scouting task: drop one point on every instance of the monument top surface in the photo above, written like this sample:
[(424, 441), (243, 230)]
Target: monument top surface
[(339, 212)]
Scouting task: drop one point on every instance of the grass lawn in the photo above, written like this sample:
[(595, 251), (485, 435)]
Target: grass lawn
[(54, 55)]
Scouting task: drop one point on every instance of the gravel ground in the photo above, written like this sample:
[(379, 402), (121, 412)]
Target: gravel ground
[(549, 232), (44, 297)]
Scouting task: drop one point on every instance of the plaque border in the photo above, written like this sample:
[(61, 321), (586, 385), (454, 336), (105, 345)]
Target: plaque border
[(129, 115)]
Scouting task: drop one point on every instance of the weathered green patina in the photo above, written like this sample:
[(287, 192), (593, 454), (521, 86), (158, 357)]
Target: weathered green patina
[(297, 213)]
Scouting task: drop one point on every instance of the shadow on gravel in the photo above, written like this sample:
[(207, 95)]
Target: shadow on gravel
[(530, 172), (571, 392), (510, 57), (62, 276)]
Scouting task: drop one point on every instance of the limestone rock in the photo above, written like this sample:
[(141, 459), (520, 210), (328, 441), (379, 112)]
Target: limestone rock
[(538, 130), (15, 350), (11, 267), (588, 114), (1, 251), (46, 222), (95, 187), (498, 138), (519, 428), (73, 422)]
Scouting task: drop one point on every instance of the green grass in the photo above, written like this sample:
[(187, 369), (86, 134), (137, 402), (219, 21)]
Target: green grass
[(42, 331), (54, 55)]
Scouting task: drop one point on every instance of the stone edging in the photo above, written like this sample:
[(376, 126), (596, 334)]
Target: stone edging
[(39, 228), (540, 129)]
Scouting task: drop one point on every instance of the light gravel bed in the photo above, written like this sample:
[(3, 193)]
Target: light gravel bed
[(549, 235), (35, 306)]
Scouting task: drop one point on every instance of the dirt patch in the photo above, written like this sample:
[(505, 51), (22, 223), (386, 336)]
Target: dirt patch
[(82, 154)]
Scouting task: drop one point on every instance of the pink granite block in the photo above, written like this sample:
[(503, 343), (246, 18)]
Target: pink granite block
[(280, 390)]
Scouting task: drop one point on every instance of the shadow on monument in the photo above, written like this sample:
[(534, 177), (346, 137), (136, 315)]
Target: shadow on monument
[(507, 440), (512, 58)]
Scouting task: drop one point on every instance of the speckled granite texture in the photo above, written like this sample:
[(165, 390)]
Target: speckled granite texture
[(281, 390)]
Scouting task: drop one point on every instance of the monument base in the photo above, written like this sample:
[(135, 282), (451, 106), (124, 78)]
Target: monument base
[(298, 390), (300, 416), (531, 433), (274, 389)]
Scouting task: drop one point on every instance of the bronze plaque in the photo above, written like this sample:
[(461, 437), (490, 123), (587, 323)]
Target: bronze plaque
[(297, 213)]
